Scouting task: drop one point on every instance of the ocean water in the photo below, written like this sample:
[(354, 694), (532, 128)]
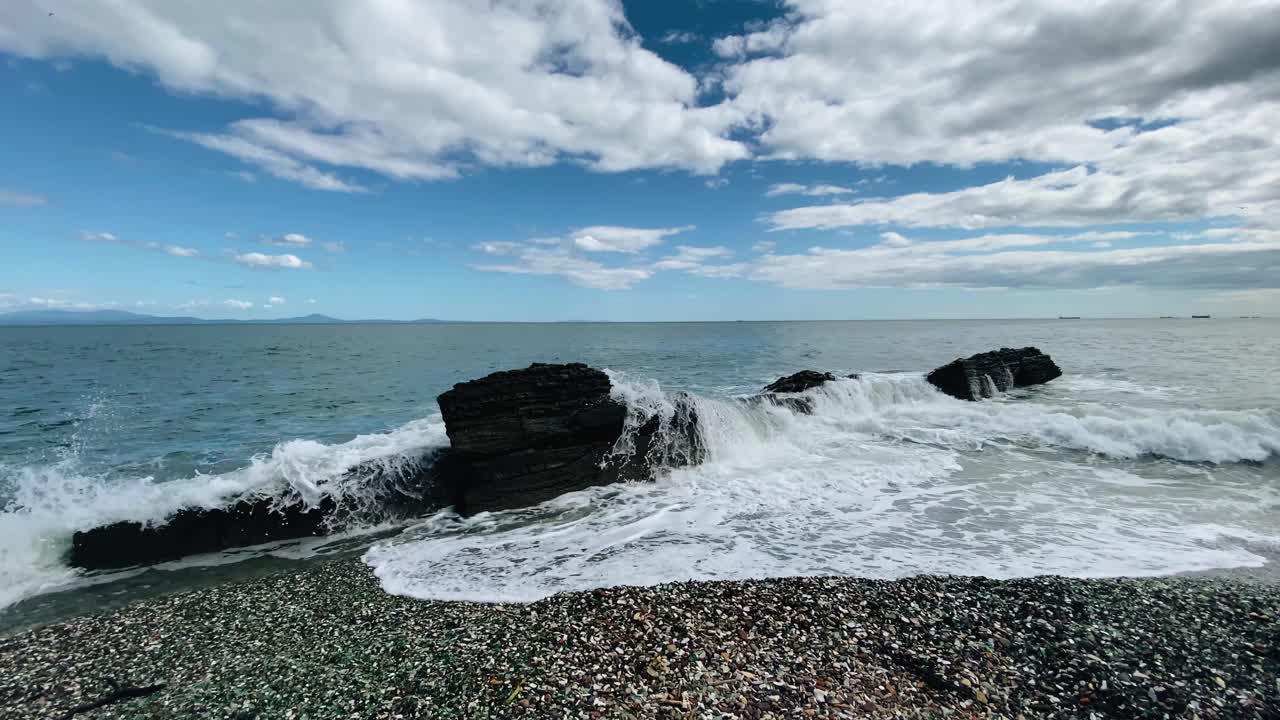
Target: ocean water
[(1158, 452)]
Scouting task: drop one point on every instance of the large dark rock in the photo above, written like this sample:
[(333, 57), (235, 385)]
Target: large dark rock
[(192, 532), (387, 490), (524, 436), (985, 374), (799, 382)]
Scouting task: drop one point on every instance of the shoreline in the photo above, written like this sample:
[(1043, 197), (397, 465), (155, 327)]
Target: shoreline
[(326, 639)]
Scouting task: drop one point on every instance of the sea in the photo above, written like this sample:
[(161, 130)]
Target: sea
[(1157, 452)]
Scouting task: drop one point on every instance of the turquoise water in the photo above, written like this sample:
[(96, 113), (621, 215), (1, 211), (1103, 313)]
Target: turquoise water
[(1172, 421)]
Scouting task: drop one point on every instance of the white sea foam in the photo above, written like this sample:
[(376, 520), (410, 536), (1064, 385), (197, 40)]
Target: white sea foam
[(887, 477), (51, 502)]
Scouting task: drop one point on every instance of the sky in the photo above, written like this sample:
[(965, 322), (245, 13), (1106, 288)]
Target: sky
[(540, 160)]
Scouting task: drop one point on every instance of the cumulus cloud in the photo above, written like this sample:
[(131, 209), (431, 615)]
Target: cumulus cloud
[(271, 262), (13, 198), (411, 91), (609, 238), (1165, 117), (906, 81), (179, 251), (275, 300), (811, 190), (237, 304)]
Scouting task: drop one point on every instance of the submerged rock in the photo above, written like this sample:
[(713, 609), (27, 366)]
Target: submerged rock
[(799, 382), (983, 375), (520, 437)]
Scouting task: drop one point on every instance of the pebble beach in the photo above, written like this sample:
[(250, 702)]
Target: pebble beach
[(327, 642)]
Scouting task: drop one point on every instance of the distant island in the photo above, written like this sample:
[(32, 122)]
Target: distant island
[(122, 317)]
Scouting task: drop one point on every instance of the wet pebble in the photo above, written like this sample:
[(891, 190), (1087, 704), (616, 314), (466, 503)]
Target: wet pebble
[(326, 642)]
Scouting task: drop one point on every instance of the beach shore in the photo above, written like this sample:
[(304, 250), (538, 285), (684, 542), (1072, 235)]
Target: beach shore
[(327, 642)]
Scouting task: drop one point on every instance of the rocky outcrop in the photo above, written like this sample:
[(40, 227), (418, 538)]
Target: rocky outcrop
[(983, 375), (799, 382), (524, 436), (192, 532), (517, 438), (388, 490)]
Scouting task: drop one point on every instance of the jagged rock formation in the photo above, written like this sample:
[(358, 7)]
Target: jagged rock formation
[(524, 436), (983, 375)]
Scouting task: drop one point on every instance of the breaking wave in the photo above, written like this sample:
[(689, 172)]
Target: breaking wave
[(877, 476), (47, 504)]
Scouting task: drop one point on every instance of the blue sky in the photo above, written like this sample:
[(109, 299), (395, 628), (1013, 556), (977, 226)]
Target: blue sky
[(589, 160)]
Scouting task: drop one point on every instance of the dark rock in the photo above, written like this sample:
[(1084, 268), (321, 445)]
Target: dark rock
[(192, 532), (521, 437), (389, 489), (517, 438), (799, 382), (985, 374)]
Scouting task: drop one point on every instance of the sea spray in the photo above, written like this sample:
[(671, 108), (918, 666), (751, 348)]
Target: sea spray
[(48, 503), (878, 476)]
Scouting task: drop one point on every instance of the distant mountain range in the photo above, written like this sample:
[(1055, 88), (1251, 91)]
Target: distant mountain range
[(121, 317)]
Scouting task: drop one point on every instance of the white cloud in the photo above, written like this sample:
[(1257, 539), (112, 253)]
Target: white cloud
[(716, 183), (763, 246), (411, 91), (810, 190), (1009, 261), (52, 303), (678, 37), (910, 81), (230, 235), (191, 305), (562, 261), (12, 198), (106, 237), (609, 238), (237, 304), (691, 258), (1165, 117), (275, 300), (272, 161), (293, 240), (311, 301), (273, 262)]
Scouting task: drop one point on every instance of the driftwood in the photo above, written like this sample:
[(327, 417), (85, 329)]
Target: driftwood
[(121, 693)]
